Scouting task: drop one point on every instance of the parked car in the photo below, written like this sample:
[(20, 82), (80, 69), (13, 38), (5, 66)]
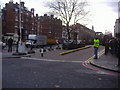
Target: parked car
[(14, 42), (72, 45), (30, 43), (3, 45)]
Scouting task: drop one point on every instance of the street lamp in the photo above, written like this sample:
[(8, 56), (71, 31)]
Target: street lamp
[(20, 22), (21, 45)]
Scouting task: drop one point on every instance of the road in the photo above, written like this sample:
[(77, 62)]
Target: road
[(38, 73)]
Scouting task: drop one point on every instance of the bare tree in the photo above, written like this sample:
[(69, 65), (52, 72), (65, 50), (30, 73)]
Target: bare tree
[(69, 11)]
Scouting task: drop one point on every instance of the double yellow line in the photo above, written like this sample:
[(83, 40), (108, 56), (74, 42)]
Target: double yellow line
[(99, 54)]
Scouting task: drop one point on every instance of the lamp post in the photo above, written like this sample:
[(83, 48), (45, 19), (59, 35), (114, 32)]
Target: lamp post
[(20, 22), (21, 45)]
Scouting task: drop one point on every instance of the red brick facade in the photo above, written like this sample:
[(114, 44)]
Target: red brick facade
[(30, 23), (50, 26)]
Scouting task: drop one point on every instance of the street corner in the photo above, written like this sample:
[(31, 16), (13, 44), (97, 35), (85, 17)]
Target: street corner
[(104, 66)]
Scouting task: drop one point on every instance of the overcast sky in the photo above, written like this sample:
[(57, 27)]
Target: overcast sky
[(103, 12)]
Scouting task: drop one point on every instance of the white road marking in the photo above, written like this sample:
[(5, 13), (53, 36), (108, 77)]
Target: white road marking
[(50, 60)]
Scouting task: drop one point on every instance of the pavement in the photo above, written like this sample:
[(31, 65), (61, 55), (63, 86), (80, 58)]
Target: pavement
[(107, 62)]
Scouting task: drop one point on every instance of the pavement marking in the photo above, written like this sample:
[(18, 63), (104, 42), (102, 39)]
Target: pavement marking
[(69, 51), (50, 60), (99, 54), (87, 61), (99, 70)]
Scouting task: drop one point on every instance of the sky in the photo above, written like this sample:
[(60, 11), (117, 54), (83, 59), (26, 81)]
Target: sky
[(103, 13)]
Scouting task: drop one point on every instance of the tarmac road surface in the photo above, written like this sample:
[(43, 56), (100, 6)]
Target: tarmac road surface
[(28, 73)]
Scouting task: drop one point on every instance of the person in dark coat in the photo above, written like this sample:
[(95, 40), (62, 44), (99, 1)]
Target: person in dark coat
[(118, 49), (106, 47), (113, 46), (10, 43)]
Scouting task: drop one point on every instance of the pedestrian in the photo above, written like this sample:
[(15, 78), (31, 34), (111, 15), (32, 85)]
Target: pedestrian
[(113, 46), (116, 47), (41, 51), (118, 51), (10, 43), (106, 46), (96, 46)]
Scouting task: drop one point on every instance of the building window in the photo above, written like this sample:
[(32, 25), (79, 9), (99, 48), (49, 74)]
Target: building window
[(16, 18), (27, 14), (21, 12), (26, 32), (22, 19), (32, 28), (16, 30), (22, 25), (16, 10), (16, 24), (26, 20)]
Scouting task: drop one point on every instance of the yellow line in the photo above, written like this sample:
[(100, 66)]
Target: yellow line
[(89, 59), (74, 50), (100, 54)]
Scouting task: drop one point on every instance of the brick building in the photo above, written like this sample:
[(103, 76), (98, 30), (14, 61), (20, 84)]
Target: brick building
[(80, 32), (30, 23), (85, 33), (117, 23), (50, 26), (117, 28), (11, 20)]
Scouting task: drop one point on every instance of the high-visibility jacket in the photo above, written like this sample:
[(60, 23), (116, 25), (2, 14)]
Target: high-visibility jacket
[(96, 43)]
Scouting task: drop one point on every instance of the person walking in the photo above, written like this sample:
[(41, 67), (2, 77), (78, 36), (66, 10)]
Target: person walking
[(113, 43), (118, 51), (96, 46), (116, 47), (106, 46), (10, 43)]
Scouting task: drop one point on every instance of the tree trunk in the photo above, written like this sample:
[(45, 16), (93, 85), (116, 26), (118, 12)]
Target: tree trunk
[(68, 32)]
